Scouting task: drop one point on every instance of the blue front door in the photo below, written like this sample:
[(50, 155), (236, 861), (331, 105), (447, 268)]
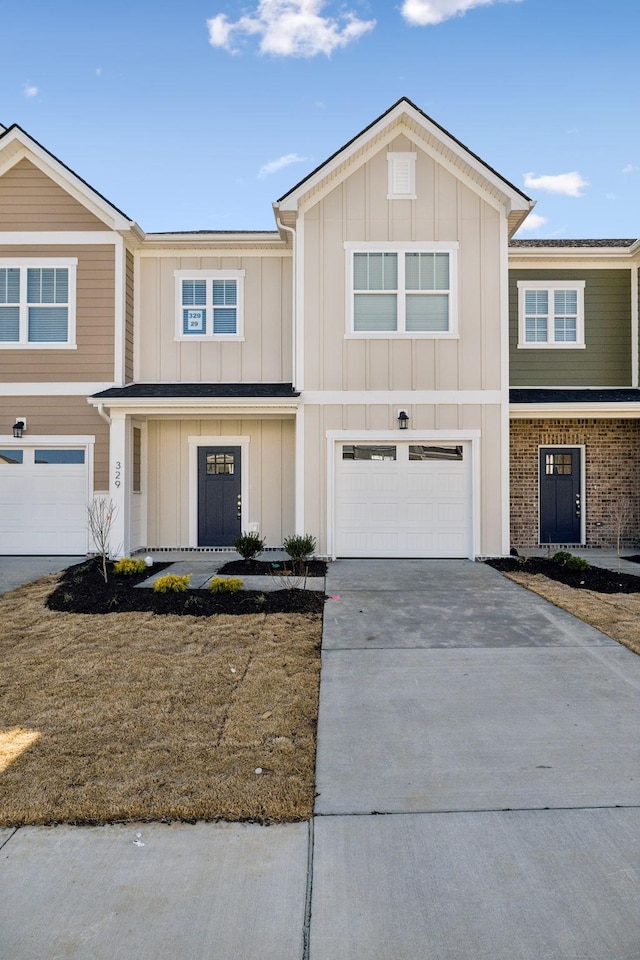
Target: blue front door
[(219, 496), (560, 495)]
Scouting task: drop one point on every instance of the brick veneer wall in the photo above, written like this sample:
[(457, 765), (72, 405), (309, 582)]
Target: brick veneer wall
[(612, 457)]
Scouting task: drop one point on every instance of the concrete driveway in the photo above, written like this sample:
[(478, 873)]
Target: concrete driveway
[(16, 571), (478, 799)]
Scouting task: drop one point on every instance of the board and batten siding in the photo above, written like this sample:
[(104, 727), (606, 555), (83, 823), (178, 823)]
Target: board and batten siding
[(30, 200), (95, 321), (263, 355), (369, 418), (62, 416), (445, 210), (605, 360), (271, 476)]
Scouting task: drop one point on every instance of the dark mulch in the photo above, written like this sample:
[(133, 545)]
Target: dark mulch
[(82, 589), (264, 568), (634, 559), (593, 578)]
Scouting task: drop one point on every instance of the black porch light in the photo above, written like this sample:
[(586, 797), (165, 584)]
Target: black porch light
[(18, 429), (403, 419)]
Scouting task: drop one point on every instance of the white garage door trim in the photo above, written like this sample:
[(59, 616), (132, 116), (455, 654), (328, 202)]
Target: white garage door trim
[(470, 438), (57, 442)]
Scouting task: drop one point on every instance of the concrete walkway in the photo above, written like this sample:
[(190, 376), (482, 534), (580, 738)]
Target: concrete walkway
[(478, 799)]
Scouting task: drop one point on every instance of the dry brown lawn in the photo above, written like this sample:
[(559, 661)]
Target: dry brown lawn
[(143, 717), (615, 614)]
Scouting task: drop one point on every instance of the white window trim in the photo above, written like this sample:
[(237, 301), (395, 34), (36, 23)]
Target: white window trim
[(551, 344), (209, 276), (372, 246), (71, 264), (392, 158)]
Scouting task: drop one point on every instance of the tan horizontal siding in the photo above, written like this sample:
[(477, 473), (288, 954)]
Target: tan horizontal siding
[(606, 359), (29, 200), (95, 321), (63, 416)]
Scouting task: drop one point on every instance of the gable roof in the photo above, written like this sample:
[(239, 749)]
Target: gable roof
[(459, 155), (16, 143)]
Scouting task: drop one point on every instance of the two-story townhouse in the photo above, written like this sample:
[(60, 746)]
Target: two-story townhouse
[(345, 375), (575, 434)]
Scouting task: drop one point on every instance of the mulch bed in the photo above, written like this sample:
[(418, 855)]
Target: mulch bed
[(265, 568), (82, 589), (591, 578)]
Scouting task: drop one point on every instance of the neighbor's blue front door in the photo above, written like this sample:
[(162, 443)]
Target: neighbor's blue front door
[(560, 495)]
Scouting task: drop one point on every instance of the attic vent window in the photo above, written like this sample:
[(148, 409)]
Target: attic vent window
[(402, 176)]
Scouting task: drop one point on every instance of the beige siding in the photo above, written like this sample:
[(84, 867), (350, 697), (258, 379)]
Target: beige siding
[(263, 355), (128, 342), (271, 476), (95, 320), (63, 416), (369, 418), (358, 210), (29, 200)]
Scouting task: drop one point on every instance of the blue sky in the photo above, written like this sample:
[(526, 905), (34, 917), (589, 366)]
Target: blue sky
[(198, 115)]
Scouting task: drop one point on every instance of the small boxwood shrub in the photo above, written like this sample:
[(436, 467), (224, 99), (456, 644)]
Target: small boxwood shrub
[(300, 548), (226, 584), (566, 559), (127, 567), (172, 583), (249, 545)]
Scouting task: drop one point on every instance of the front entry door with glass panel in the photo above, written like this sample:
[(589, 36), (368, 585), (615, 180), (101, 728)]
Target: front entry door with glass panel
[(219, 496), (560, 495)]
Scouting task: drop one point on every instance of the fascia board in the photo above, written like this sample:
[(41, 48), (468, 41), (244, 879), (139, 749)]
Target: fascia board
[(583, 262), (153, 406), (517, 201), (65, 179), (567, 411)]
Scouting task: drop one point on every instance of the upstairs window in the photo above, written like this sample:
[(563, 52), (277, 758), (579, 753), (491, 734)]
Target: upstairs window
[(407, 291), (209, 304), (37, 303), (551, 314)]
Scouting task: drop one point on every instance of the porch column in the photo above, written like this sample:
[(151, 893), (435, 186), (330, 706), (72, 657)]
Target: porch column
[(119, 483)]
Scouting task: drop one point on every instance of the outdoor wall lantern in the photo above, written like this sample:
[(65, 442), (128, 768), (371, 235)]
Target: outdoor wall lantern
[(403, 419), (18, 428)]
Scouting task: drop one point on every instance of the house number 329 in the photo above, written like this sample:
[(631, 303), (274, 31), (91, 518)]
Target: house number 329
[(118, 473)]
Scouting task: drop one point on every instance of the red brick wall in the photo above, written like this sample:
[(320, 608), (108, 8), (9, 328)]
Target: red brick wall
[(612, 458)]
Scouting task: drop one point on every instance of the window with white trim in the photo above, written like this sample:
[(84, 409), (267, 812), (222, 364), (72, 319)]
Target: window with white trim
[(37, 303), (209, 304), (551, 314), (402, 291)]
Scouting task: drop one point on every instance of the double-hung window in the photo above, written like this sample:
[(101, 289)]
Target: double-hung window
[(37, 303), (402, 290), (209, 304), (551, 314)]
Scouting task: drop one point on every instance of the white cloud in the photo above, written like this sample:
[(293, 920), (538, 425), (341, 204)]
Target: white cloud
[(274, 165), (631, 168), (533, 222), (289, 28), (98, 71), (30, 91), (427, 13), (571, 184)]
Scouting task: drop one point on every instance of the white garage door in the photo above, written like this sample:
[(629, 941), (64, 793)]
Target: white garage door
[(43, 500), (403, 500)]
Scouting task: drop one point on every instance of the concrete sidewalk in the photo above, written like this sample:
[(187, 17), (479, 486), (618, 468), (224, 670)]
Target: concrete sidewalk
[(478, 799)]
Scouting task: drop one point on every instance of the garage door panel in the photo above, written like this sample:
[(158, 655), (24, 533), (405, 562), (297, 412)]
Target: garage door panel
[(427, 503)]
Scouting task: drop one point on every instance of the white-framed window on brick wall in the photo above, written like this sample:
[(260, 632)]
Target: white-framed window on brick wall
[(551, 314), (397, 290), (209, 304), (38, 303)]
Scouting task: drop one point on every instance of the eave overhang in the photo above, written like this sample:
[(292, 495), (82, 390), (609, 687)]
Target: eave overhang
[(574, 403), (199, 400)]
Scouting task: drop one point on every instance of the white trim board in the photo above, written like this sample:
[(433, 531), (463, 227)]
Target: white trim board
[(404, 397), (48, 388)]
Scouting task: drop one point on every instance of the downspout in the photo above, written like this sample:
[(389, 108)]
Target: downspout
[(100, 409)]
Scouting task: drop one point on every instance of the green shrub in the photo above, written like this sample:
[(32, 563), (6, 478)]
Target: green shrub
[(300, 548), (226, 584), (128, 566), (566, 559), (172, 583), (249, 545)]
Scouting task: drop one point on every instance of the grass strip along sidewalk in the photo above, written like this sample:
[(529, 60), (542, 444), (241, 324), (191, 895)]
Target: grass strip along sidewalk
[(135, 716)]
